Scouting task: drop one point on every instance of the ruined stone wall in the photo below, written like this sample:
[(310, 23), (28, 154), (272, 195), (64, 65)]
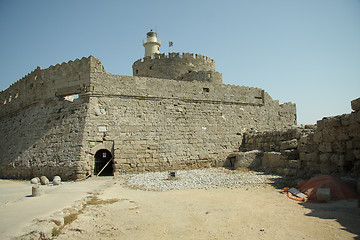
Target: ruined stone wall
[(185, 67), (335, 145), (279, 148), (330, 147), (159, 124)]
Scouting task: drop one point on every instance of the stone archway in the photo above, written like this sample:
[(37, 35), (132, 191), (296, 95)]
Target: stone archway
[(102, 157)]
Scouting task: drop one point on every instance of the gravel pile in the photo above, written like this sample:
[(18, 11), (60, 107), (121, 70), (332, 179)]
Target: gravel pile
[(198, 179)]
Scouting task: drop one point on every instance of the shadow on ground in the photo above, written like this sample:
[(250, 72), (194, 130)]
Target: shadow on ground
[(345, 212)]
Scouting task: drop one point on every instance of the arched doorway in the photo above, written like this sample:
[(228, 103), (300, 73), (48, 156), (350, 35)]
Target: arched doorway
[(102, 157)]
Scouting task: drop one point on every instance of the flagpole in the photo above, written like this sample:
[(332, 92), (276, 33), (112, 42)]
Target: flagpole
[(170, 45)]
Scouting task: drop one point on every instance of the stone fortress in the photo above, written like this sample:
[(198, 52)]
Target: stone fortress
[(75, 119)]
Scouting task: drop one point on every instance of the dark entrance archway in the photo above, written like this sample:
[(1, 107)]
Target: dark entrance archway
[(102, 157)]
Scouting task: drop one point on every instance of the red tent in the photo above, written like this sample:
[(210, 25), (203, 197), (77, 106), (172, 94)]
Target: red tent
[(338, 189)]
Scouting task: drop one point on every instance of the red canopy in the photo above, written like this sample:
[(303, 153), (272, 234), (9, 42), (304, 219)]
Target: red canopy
[(338, 189)]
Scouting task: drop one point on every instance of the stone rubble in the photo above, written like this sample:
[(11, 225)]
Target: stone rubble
[(198, 179)]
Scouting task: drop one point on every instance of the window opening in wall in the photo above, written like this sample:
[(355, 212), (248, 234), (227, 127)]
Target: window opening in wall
[(136, 71), (206, 89), (150, 67), (104, 162), (189, 71), (209, 75)]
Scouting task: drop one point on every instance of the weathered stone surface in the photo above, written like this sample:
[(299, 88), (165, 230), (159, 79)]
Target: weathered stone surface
[(355, 104), (56, 180), (273, 160), (36, 191), (291, 144), (35, 180), (44, 180), (250, 159), (153, 124)]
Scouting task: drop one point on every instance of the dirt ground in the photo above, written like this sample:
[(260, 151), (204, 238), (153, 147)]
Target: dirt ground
[(263, 213)]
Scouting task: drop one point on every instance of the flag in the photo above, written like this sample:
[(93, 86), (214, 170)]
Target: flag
[(171, 44)]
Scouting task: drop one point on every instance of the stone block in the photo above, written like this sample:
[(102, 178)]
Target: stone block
[(44, 180), (325, 168), (357, 153), (56, 180), (250, 159), (293, 163), (323, 194), (339, 147), (35, 180), (325, 158), (325, 147), (273, 160), (280, 170), (355, 104), (290, 154), (291, 144), (289, 171)]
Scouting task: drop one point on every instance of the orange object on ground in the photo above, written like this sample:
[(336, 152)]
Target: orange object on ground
[(338, 189)]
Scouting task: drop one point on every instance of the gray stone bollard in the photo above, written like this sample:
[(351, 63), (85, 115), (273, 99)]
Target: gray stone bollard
[(44, 180), (36, 191), (35, 180), (56, 180)]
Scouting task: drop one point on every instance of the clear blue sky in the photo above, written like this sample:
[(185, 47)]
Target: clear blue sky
[(301, 51)]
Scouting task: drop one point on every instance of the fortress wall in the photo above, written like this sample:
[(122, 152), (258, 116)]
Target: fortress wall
[(176, 66), (56, 81), (160, 124), (150, 123), (330, 147), (109, 84), (44, 139)]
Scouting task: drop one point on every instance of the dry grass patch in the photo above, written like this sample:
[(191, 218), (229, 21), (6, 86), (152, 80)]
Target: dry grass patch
[(97, 201)]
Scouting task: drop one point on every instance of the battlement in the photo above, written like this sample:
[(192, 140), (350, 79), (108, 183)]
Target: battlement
[(187, 56), (177, 66), (72, 77)]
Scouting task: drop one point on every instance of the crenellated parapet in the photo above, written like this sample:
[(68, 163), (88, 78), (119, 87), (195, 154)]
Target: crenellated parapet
[(63, 79), (185, 67)]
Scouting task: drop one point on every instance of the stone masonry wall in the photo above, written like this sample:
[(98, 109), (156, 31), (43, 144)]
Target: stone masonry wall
[(330, 147), (334, 148), (279, 148), (185, 67), (44, 139), (56, 81), (159, 124), (41, 133), (147, 124)]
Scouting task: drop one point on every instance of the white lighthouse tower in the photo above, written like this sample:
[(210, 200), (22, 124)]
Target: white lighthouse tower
[(151, 44)]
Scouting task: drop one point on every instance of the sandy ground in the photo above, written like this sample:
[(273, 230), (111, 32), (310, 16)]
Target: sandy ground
[(18, 210), (212, 214), (262, 213)]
